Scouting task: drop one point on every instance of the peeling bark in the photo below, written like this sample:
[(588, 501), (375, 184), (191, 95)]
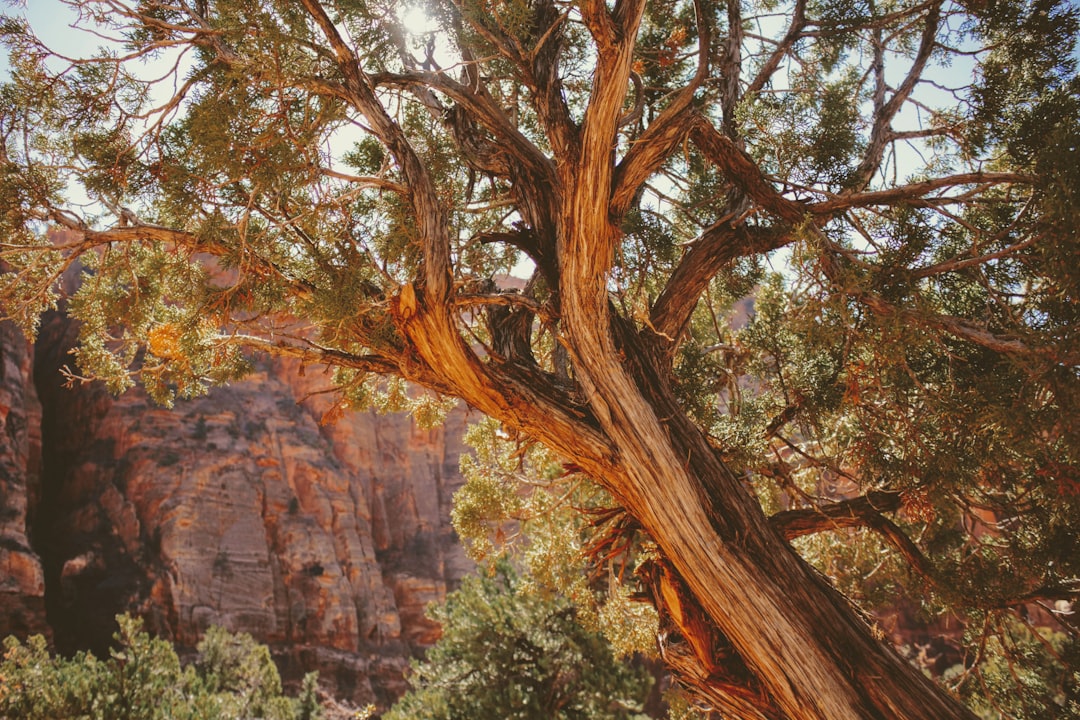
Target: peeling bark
[(745, 621)]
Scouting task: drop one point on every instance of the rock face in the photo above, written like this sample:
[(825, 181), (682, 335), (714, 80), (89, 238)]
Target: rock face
[(22, 579), (235, 509)]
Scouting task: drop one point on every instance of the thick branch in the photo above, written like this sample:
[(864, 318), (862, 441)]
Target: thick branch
[(545, 83), (741, 170), (316, 354), (857, 512), (615, 35), (600, 24), (717, 248)]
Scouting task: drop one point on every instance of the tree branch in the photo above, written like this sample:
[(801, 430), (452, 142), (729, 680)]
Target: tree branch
[(731, 69), (858, 512), (545, 82), (144, 232), (742, 171), (884, 113), (798, 23), (483, 110), (854, 513), (649, 151), (912, 191), (716, 248), (429, 214)]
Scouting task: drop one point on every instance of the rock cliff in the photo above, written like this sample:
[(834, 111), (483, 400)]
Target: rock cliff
[(22, 579), (235, 509)]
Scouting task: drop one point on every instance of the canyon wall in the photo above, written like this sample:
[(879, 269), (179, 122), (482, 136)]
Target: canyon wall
[(22, 578), (235, 509)]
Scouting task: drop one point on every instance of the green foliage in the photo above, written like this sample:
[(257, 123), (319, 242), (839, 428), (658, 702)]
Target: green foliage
[(233, 678), (307, 705), (508, 651), (240, 668), (519, 501), (1023, 672)]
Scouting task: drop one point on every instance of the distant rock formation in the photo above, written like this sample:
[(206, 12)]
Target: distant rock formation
[(22, 579), (235, 509)]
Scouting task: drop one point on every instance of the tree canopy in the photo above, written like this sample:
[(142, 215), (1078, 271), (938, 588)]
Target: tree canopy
[(895, 183)]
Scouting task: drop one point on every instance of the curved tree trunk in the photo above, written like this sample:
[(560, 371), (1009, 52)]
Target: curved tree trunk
[(809, 655), (772, 637)]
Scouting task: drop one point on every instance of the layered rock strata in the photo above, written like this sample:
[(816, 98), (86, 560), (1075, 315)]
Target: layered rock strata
[(238, 509)]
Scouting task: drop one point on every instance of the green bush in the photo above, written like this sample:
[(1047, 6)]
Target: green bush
[(232, 678), (510, 651)]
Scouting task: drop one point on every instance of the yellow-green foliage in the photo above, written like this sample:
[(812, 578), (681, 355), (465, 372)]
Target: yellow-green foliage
[(519, 500), (508, 651), (233, 678)]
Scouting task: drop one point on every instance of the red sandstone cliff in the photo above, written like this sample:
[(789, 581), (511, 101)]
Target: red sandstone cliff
[(22, 580), (235, 509)]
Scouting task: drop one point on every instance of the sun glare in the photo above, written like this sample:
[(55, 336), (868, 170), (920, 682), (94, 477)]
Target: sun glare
[(416, 20)]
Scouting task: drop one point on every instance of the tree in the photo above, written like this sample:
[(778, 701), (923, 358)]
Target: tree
[(509, 652), (917, 160)]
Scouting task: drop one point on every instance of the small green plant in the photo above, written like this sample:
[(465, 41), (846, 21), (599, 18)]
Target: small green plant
[(509, 651), (221, 564), (200, 432), (307, 705)]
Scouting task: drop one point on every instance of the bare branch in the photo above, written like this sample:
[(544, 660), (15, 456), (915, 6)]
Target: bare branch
[(483, 110), (649, 151), (884, 113), (913, 191), (857, 512), (715, 249), (798, 23), (430, 216), (959, 263), (731, 69)]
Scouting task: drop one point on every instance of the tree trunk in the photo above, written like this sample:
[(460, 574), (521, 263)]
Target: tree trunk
[(808, 654)]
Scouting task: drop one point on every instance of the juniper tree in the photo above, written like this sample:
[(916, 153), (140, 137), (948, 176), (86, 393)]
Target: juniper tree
[(915, 161)]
